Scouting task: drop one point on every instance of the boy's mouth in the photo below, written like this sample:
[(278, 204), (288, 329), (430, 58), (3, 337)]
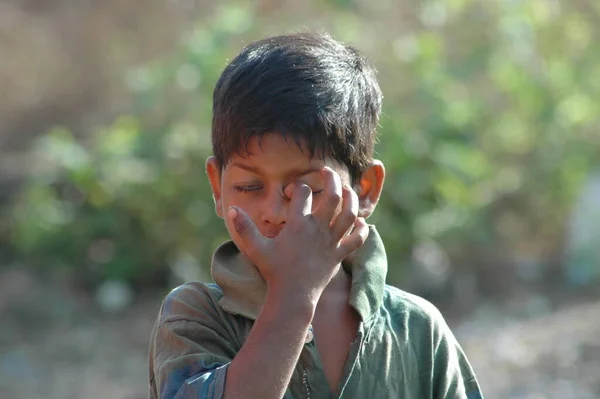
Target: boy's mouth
[(271, 233)]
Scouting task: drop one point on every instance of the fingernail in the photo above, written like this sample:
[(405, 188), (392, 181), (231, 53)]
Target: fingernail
[(232, 212)]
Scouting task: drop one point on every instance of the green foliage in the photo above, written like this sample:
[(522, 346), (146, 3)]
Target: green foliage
[(489, 128), (503, 125), (135, 202)]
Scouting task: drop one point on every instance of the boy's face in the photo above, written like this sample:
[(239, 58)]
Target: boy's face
[(255, 182)]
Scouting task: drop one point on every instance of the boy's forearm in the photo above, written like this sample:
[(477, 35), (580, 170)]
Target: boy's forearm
[(265, 363)]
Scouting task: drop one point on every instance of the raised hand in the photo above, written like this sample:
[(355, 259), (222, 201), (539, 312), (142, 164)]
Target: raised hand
[(307, 252)]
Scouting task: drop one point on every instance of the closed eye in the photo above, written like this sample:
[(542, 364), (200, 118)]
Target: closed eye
[(248, 189), (257, 188)]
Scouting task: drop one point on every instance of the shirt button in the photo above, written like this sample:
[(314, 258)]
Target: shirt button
[(309, 335)]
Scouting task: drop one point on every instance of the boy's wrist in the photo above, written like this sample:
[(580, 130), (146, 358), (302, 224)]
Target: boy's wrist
[(291, 304)]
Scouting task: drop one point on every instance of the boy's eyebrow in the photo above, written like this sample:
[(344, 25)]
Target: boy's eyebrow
[(257, 170)]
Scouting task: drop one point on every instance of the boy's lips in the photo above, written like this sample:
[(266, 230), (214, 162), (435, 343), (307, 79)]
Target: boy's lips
[(270, 232)]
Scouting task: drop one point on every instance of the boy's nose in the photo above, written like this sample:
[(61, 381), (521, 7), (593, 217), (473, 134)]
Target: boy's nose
[(274, 209)]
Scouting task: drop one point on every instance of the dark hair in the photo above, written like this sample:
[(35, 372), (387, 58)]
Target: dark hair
[(309, 87)]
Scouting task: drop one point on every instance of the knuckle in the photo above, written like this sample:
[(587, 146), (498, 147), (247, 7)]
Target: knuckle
[(363, 237), (350, 193), (327, 171), (348, 215), (360, 240), (353, 209), (335, 198)]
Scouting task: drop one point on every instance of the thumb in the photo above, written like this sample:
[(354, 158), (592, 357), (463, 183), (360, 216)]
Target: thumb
[(246, 229)]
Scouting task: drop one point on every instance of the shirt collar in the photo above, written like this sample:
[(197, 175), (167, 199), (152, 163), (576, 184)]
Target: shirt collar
[(244, 289)]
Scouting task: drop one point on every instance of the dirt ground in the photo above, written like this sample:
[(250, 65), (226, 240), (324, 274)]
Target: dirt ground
[(55, 344)]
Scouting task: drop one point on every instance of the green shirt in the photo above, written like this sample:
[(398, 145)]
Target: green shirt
[(403, 347)]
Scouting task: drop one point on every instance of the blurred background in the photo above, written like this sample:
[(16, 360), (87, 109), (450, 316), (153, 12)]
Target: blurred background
[(491, 209)]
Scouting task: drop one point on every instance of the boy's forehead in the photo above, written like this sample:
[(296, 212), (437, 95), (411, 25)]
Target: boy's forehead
[(273, 146), (277, 150)]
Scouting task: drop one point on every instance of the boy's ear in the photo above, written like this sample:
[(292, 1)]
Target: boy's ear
[(369, 188), (213, 170)]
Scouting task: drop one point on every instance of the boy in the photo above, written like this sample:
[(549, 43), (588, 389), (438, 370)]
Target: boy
[(300, 308)]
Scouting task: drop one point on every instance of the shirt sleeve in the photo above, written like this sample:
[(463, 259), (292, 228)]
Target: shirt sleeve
[(453, 376), (191, 348)]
